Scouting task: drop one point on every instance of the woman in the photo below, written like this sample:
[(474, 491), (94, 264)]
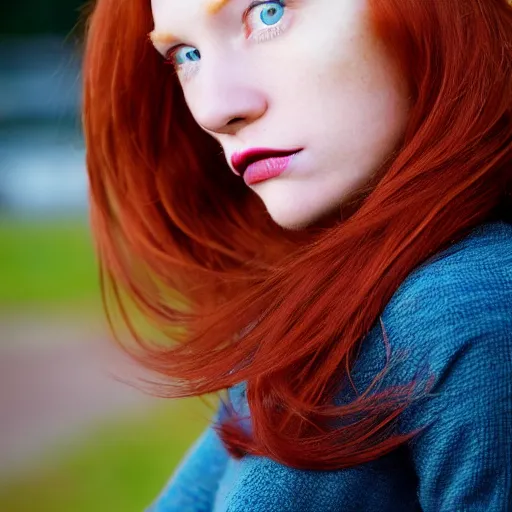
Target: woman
[(310, 199)]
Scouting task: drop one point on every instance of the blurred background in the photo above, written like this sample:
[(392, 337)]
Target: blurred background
[(72, 436)]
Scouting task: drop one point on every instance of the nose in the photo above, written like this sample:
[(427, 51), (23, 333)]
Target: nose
[(225, 98)]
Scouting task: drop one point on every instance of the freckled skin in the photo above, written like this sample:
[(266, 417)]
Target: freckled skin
[(325, 84)]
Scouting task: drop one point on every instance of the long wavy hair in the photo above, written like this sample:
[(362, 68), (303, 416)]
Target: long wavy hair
[(230, 296)]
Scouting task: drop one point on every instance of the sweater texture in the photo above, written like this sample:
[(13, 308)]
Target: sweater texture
[(450, 319)]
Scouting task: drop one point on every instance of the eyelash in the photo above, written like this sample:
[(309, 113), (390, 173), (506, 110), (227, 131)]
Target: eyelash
[(261, 36)]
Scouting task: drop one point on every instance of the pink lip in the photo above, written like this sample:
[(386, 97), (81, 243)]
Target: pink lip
[(243, 160), (263, 170)]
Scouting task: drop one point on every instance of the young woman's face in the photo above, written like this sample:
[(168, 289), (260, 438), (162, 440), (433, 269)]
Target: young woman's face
[(304, 77)]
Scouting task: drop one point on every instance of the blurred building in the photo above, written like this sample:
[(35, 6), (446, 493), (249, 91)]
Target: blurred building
[(42, 170)]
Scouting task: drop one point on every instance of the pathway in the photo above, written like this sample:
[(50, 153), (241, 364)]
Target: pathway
[(56, 381)]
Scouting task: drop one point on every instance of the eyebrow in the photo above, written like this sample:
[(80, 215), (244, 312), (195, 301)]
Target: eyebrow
[(212, 7), (161, 37)]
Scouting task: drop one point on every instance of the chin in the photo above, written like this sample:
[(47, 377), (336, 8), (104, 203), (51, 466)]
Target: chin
[(291, 224), (299, 207), (295, 219)]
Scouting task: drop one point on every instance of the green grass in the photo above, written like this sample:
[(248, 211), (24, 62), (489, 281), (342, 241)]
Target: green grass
[(48, 267), (47, 264), (120, 467)]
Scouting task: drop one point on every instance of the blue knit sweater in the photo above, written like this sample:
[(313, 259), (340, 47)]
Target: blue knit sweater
[(452, 315)]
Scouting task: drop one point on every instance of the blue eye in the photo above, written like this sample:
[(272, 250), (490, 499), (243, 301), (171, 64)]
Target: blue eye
[(186, 54), (272, 13), (265, 20)]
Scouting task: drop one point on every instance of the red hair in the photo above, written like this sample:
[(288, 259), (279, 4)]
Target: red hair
[(202, 260)]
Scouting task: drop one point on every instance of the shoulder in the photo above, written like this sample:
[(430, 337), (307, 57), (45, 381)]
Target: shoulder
[(463, 292), (453, 318), (478, 266), (456, 306)]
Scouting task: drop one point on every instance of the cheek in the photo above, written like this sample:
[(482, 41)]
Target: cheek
[(328, 68), (329, 44), (348, 85)]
